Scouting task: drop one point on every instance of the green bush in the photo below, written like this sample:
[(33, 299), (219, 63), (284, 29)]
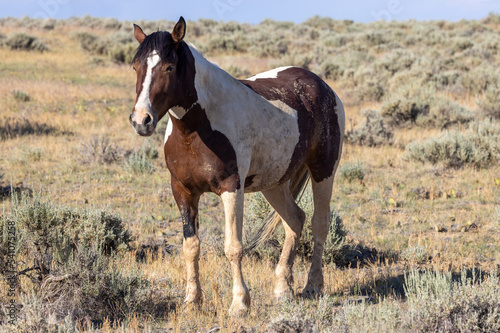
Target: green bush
[(420, 106), (238, 72), (24, 42), (329, 70), (478, 147), (49, 233), (119, 47), (141, 161), (373, 132), (352, 172), (490, 102)]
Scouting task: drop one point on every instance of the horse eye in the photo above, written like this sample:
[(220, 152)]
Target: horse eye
[(135, 70), (170, 69)]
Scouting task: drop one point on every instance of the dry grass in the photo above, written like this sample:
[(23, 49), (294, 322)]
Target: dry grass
[(404, 214)]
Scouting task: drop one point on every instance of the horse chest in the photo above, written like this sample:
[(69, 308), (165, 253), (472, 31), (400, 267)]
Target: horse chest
[(192, 160)]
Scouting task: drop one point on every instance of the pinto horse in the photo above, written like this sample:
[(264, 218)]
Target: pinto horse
[(268, 133)]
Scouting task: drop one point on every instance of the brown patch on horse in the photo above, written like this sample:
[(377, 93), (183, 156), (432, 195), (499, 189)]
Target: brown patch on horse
[(202, 159), (315, 102)]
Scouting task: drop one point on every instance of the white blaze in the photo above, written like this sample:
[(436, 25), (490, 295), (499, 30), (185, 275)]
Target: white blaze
[(143, 102)]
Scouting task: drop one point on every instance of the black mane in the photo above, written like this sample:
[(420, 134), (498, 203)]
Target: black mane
[(161, 41)]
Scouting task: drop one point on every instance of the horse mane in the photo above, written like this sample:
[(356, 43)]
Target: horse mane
[(161, 41)]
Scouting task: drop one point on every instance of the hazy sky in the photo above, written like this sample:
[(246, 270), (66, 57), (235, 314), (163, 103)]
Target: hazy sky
[(254, 11)]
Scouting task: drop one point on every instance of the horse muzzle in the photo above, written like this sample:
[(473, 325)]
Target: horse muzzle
[(144, 123)]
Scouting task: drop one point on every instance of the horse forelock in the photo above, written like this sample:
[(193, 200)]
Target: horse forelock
[(161, 42)]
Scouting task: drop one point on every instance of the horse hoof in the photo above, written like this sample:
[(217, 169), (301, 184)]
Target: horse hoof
[(283, 295), (240, 307), (311, 292), (238, 310), (191, 303)]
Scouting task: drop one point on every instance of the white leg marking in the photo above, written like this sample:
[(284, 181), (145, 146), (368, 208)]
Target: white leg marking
[(233, 247)]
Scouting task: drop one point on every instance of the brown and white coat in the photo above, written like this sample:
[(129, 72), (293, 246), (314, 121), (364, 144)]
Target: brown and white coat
[(229, 137)]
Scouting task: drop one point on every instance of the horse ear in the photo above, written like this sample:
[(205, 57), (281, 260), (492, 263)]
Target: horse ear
[(179, 30), (139, 34)]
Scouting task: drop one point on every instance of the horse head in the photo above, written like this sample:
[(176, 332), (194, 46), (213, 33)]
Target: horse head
[(165, 76)]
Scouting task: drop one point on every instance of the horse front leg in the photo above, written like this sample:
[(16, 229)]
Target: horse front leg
[(233, 247), (188, 207)]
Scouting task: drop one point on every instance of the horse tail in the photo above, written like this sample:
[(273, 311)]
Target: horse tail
[(297, 186)]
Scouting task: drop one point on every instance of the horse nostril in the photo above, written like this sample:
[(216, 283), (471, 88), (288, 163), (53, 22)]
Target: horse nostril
[(147, 121)]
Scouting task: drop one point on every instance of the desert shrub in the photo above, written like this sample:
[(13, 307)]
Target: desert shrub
[(122, 53), (20, 96), (141, 161), (294, 59), (49, 24), (268, 45), (90, 42), (72, 256), (49, 233), (447, 78), (413, 105), (373, 132), (371, 90), (227, 43), (336, 248), (444, 113), (24, 42), (119, 47), (352, 172), (414, 254), (329, 70), (480, 79), (490, 102), (11, 127), (478, 147), (395, 62), (402, 111), (98, 149), (88, 286), (436, 302), (238, 72)]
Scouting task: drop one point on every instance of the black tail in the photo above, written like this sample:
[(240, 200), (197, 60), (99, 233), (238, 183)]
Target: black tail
[(297, 186)]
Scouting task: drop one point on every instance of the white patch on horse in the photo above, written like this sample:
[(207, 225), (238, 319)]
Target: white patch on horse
[(178, 111), (143, 102), (272, 74), (263, 133), (168, 131)]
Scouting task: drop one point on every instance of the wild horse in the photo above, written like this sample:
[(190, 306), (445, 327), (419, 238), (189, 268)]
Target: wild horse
[(268, 133)]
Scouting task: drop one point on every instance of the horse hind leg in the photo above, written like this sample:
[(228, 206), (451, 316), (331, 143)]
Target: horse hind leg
[(281, 199), (322, 193)]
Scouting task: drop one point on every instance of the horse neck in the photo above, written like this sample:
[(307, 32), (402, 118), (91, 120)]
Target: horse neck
[(214, 86)]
